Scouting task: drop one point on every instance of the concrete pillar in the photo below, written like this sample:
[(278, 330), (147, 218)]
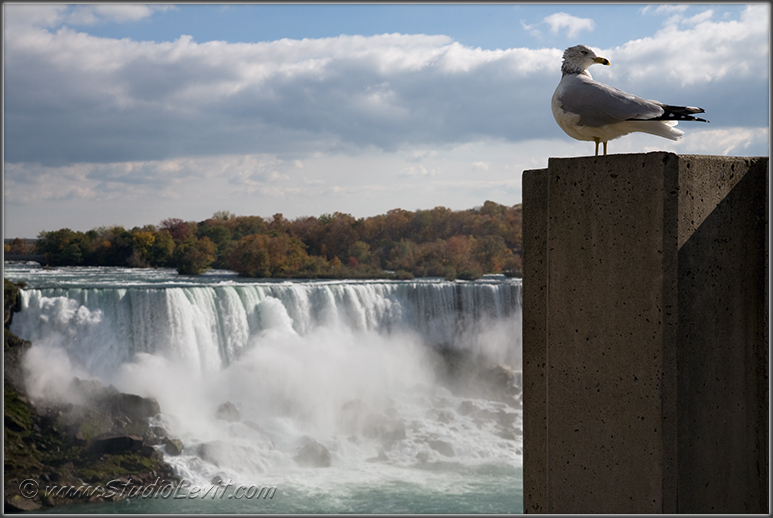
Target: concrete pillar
[(645, 335)]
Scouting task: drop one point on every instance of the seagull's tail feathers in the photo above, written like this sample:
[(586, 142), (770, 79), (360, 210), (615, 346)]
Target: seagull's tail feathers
[(678, 113)]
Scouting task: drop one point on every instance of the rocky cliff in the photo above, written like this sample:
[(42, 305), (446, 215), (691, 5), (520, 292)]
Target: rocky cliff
[(62, 453)]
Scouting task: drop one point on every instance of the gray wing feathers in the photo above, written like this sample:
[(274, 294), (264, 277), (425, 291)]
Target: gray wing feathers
[(599, 104)]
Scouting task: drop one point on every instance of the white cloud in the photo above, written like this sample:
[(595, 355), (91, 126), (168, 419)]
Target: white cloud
[(419, 171), (572, 24), (23, 16), (532, 29), (145, 100), (558, 21), (721, 66), (667, 9), (728, 141), (699, 18)]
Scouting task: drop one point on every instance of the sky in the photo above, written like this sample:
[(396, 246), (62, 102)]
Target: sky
[(128, 114)]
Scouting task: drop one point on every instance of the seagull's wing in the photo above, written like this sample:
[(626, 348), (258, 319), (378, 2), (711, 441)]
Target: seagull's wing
[(598, 104)]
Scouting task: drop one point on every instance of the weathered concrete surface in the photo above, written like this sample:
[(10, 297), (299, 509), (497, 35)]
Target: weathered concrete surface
[(645, 356)]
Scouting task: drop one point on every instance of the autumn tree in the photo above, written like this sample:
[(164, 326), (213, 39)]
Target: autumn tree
[(264, 255), (18, 246), (194, 255)]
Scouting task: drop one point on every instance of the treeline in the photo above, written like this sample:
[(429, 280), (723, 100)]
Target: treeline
[(399, 244)]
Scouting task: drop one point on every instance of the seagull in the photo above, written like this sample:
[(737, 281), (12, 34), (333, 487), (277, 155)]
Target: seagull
[(588, 110)]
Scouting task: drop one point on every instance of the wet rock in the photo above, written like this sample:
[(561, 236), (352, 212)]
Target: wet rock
[(211, 451), (227, 412), (116, 444), (506, 418), (11, 301), (173, 446), (466, 407), (13, 424), (387, 430), (19, 504), (445, 417), (314, 455), (158, 431), (507, 435), (135, 407), (441, 447), (498, 381)]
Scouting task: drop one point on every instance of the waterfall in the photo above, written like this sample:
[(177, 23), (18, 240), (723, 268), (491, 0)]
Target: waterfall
[(298, 361), (209, 327)]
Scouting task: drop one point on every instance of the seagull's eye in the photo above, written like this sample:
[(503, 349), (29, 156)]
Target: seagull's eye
[(584, 52)]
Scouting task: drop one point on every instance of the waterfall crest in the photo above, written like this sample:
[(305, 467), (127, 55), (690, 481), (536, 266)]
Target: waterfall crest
[(209, 327)]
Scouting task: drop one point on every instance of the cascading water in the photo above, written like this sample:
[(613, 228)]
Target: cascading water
[(350, 365)]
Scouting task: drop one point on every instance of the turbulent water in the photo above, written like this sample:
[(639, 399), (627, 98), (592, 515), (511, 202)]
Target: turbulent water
[(300, 362)]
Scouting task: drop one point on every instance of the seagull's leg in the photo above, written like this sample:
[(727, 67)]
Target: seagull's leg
[(596, 140), (605, 149)]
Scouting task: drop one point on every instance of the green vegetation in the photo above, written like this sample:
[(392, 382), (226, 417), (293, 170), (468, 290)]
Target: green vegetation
[(399, 244)]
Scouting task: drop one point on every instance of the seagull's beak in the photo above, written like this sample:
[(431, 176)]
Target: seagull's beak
[(602, 61)]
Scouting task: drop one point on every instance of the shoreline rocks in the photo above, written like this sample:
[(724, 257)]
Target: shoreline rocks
[(64, 445)]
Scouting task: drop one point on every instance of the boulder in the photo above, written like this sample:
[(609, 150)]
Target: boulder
[(506, 418), (135, 407), (19, 504), (509, 435), (11, 301), (227, 412), (173, 446), (498, 380), (466, 407), (441, 447), (445, 417), (212, 451), (116, 444), (313, 455)]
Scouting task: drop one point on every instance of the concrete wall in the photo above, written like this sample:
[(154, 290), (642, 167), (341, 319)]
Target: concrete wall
[(645, 358)]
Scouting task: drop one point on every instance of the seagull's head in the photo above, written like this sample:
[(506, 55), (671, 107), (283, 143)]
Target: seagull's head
[(580, 57)]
